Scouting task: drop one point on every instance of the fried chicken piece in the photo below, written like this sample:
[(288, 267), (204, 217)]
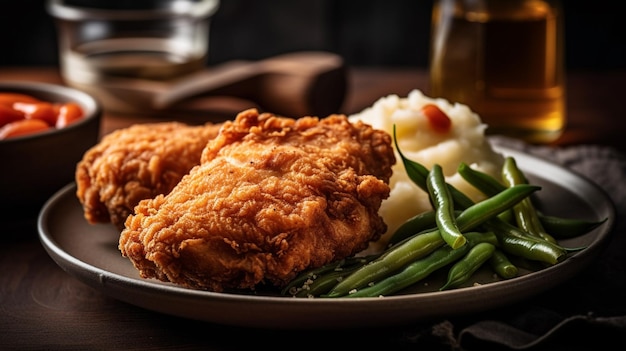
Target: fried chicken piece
[(272, 197), (136, 163)]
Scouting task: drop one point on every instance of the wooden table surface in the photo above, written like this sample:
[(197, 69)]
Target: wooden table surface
[(42, 307)]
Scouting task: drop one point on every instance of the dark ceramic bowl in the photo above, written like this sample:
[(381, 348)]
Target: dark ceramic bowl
[(35, 166)]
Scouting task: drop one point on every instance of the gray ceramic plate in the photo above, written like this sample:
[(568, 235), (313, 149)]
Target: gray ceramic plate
[(89, 252)]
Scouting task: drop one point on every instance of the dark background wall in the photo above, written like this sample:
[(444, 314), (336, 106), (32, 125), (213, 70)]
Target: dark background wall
[(364, 32)]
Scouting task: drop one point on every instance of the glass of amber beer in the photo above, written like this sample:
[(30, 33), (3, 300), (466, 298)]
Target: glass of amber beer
[(504, 59)]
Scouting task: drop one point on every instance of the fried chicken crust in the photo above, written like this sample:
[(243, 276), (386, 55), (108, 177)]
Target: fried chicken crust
[(272, 197), (136, 163)]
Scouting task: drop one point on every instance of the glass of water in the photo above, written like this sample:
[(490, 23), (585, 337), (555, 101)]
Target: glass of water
[(103, 40)]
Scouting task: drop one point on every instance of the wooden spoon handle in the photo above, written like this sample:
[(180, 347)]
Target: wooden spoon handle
[(297, 84), (204, 82)]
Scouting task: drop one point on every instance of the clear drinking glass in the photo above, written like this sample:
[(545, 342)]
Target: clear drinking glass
[(102, 40), (504, 59)]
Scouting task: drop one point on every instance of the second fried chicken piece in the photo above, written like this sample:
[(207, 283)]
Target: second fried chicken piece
[(272, 197), (137, 163)]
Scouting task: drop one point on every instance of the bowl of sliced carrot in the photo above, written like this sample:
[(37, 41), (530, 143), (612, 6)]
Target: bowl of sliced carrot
[(44, 131)]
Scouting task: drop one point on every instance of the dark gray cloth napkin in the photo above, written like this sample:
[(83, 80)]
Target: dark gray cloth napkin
[(581, 314)]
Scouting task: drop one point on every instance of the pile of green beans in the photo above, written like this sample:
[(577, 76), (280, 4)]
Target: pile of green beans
[(458, 235)]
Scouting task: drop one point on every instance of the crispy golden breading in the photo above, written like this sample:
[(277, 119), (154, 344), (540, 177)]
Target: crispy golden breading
[(137, 163), (272, 197)]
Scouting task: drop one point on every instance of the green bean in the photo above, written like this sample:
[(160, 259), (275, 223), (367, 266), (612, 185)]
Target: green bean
[(537, 250), (516, 242), (318, 285), (566, 227), (463, 269), (420, 269), (444, 208), (409, 250), (402, 254), (484, 182), (416, 171), (414, 225), (501, 264), (418, 174), (492, 206), (555, 226), (413, 273), (461, 201), (524, 212), (392, 260), (470, 217), (482, 237), (303, 277)]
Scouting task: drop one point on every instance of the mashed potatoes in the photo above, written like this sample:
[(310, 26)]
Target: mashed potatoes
[(464, 142)]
